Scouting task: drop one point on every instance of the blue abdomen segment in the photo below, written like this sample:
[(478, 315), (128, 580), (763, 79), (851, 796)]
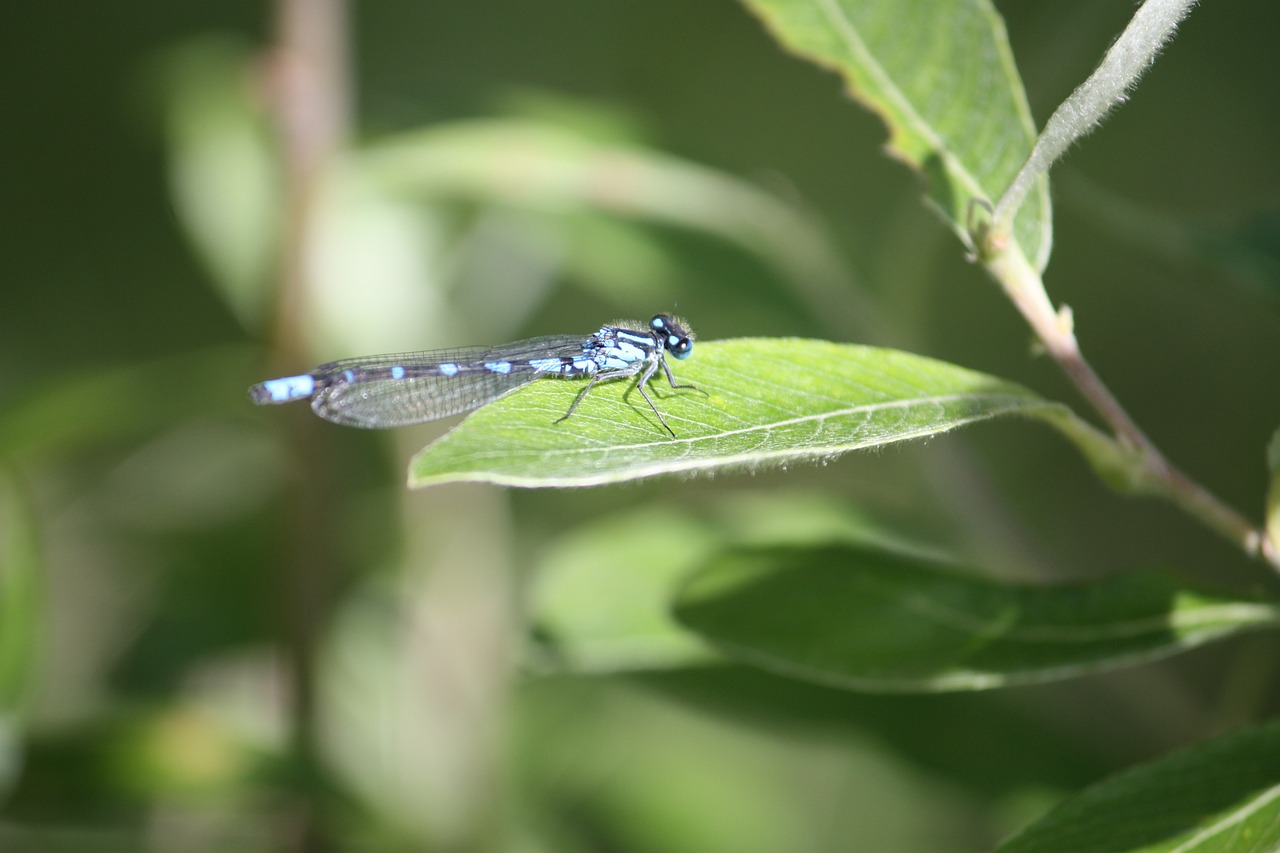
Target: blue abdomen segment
[(284, 390)]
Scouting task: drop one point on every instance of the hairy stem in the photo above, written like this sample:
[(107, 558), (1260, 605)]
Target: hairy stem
[(1152, 25)]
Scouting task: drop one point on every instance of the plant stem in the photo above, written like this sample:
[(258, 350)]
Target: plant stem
[(1127, 60), (306, 81), (1022, 284)]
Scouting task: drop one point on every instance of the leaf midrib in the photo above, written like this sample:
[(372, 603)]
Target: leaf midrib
[(1230, 819), (1020, 401)]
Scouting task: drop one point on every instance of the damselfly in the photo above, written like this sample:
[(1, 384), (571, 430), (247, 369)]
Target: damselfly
[(411, 388)]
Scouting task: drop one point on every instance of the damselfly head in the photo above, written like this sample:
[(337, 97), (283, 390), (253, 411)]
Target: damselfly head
[(677, 339)]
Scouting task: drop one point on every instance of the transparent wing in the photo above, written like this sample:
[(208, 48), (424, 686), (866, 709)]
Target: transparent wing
[(410, 388)]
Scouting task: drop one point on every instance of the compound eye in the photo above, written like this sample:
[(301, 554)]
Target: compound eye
[(675, 338)]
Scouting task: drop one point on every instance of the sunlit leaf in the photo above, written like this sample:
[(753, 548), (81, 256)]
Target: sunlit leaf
[(875, 620), (760, 402), (941, 75)]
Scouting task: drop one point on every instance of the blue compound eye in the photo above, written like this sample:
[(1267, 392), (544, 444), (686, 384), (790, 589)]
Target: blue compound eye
[(675, 338)]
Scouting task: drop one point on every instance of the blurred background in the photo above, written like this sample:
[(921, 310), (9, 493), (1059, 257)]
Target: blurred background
[(224, 628)]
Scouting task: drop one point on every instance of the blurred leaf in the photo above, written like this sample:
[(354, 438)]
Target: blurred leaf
[(1245, 253), (107, 404), (878, 621), (766, 401), (607, 615), (1273, 491), (222, 167), (601, 120), (21, 600), (1216, 797), (182, 752), (941, 75), (374, 280), (614, 615), (68, 779), (998, 742), (621, 768), (541, 167), (622, 261), (778, 516), (88, 785), (22, 620)]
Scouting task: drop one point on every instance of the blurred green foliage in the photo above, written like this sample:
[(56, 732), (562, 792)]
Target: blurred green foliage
[(226, 628)]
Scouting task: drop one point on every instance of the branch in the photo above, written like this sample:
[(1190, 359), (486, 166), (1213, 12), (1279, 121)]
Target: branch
[(1055, 329), (1086, 107)]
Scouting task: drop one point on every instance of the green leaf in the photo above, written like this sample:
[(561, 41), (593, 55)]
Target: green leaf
[(614, 615), (223, 167), (873, 620), (762, 401), (941, 75), (611, 615), (98, 406), (541, 167), (1220, 796)]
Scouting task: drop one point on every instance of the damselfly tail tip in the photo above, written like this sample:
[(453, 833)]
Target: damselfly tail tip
[(285, 390)]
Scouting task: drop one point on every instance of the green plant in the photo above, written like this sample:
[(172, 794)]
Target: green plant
[(224, 627), (874, 620)]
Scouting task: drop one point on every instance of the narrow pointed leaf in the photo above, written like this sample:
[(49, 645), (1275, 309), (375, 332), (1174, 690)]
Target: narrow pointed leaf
[(541, 167), (1220, 796), (761, 402), (941, 75), (873, 620), (223, 170)]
